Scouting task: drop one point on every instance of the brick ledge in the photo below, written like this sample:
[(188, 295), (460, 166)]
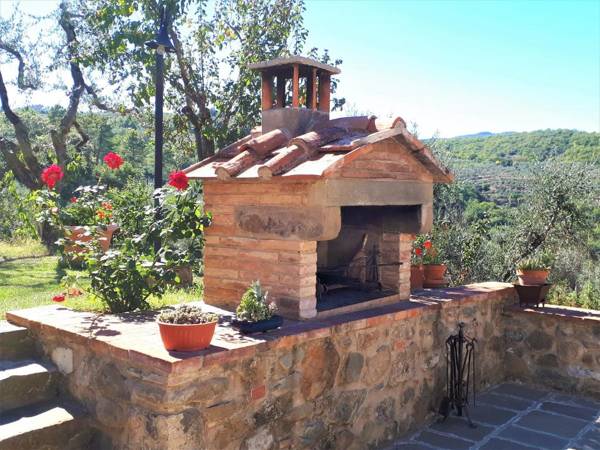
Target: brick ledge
[(135, 337), (560, 312)]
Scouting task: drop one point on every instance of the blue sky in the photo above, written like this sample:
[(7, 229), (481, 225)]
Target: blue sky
[(460, 67)]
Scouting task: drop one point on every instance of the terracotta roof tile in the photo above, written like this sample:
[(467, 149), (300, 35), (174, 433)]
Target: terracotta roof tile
[(311, 155)]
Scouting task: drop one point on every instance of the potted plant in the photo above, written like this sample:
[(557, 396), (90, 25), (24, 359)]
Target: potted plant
[(534, 270), (532, 273), (186, 328), (434, 270), (416, 267), (254, 313), (88, 215)]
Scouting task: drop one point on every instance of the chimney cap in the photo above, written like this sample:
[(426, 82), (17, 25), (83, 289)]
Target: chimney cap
[(288, 61)]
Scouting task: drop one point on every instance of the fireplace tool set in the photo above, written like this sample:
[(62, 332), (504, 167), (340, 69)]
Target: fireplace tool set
[(460, 375)]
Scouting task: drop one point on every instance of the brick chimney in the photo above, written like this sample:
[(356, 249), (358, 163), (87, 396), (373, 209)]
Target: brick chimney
[(309, 92)]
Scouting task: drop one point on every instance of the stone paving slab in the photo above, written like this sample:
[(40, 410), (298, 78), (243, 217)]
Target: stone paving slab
[(589, 441), (461, 429), (576, 412), (575, 400), (515, 417), (520, 391), (559, 425), (503, 401), (502, 444), (411, 446), (529, 437), (489, 415), (443, 441)]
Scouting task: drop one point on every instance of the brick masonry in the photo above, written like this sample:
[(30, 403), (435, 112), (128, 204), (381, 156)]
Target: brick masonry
[(268, 231)]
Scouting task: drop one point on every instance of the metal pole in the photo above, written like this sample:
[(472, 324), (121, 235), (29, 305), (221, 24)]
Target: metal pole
[(158, 133)]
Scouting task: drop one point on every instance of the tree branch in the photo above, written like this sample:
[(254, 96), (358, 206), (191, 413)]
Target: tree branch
[(21, 83), (193, 97), (59, 136), (21, 131), (98, 103), (82, 134), (10, 151)]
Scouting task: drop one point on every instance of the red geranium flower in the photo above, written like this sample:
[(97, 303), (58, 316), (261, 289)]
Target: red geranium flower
[(113, 160), (418, 251), (179, 180), (107, 205), (427, 245), (103, 215), (73, 199), (58, 298), (52, 175)]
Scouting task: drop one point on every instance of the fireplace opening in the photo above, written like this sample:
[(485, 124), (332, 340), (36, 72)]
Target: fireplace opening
[(365, 262)]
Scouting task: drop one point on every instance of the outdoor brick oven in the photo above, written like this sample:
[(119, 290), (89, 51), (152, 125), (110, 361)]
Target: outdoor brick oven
[(321, 211)]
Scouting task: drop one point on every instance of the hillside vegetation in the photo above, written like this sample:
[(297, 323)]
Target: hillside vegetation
[(500, 165), (522, 194)]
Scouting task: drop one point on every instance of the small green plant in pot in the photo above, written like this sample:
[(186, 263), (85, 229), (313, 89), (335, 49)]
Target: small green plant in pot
[(255, 313), (186, 328), (534, 270)]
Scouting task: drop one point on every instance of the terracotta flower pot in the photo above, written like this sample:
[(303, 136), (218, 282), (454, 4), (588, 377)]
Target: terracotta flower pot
[(186, 338), (434, 275), (416, 277), (77, 233), (532, 277), (186, 276)]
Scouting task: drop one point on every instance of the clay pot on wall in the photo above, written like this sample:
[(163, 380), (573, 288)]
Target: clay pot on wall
[(434, 275), (416, 277), (186, 337), (77, 233), (186, 276), (532, 277)]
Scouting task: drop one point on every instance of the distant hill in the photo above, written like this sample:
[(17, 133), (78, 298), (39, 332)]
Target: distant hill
[(480, 134), (484, 134), (510, 148), (498, 163)]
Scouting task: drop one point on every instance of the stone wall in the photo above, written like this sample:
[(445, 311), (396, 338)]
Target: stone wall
[(355, 381), (555, 347)]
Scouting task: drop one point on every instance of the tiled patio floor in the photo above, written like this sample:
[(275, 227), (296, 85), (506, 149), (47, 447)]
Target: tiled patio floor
[(516, 417)]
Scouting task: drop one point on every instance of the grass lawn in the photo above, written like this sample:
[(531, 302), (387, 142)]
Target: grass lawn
[(28, 279)]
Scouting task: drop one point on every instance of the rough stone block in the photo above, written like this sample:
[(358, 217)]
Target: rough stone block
[(15, 342)]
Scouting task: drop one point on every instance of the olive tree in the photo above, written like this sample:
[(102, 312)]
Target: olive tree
[(209, 88)]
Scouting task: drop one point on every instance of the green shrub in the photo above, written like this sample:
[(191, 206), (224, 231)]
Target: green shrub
[(587, 297), (126, 276)]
